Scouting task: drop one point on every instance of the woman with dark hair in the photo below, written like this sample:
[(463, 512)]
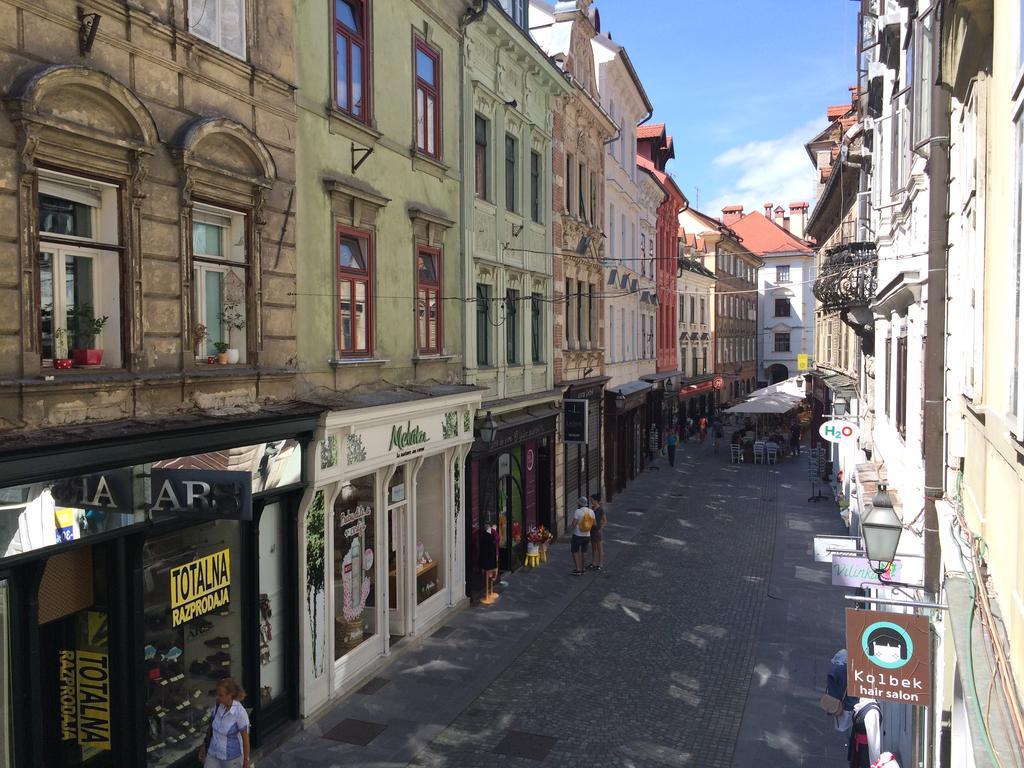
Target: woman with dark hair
[(227, 743)]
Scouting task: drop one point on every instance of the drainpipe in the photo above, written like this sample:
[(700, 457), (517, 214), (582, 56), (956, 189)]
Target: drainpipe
[(934, 345)]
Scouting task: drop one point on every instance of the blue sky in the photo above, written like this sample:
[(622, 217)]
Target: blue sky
[(741, 85)]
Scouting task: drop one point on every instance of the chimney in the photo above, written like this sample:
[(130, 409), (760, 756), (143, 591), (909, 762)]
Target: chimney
[(785, 223), (731, 214), (780, 215), (798, 215), (768, 211)]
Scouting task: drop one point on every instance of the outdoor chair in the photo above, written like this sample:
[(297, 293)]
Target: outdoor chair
[(759, 452), (735, 454), (773, 453)]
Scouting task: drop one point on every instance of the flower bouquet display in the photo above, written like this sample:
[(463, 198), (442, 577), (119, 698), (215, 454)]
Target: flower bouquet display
[(537, 538)]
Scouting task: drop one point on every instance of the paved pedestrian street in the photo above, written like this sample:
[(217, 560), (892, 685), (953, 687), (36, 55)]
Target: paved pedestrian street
[(705, 642)]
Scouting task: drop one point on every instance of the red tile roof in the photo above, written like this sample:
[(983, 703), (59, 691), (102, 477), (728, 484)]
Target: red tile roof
[(763, 236), (800, 205), (732, 208), (837, 111), (651, 131)]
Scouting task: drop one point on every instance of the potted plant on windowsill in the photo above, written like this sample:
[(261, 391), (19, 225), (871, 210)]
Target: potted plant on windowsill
[(87, 328), (199, 335), (61, 361), (233, 319), (222, 352)]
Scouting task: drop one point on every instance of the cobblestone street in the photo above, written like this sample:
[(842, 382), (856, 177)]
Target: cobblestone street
[(691, 649)]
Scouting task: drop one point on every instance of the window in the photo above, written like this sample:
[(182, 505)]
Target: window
[(611, 231), (1016, 282), (693, 310), (682, 312), (887, 378), (643, 335), (536, 327), (591, 316), (428, 301), (782, 342), (593, 199), (512, 327), (351, 89), (481, 132), (221, 22), (702, 321), (570, 336), (622, 339), (782, 273), (483, 325), (535, 193), (428, 99), (79, 276), (901, 385), (704, 360), (516, 9), (219, 281), (782, 308), (579, 328), (611, 335), (354, 293), (511, 170), (570, 165)]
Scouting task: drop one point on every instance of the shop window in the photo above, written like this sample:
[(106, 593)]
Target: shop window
[(221, 22), (219, 266), (536, 328), (192, 622), (355, 297), (482, 157), (79, 268), (273, 604), (428, 301), (6, 741), (483, 325), (355, 613), (351, 86), (430, 528), (512, 356), (428, 99)]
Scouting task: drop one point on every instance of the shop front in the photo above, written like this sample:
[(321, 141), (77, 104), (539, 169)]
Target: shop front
[(511, 488), (582, 414), (128, 590), (664, 405), (627, 434), (381, 534), (697, 397)]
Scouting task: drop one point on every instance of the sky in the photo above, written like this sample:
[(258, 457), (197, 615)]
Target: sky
[(742, 85)]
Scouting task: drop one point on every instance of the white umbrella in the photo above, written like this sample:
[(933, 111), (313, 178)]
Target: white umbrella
[(778, 403)]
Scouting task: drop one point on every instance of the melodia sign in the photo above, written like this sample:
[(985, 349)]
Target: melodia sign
[(406, 437)]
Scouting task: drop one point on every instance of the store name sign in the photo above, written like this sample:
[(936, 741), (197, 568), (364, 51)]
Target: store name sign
[(837, 431), (200, 586), (110, 491), (889, 657), (203, 493), (85, 698), (406, 437)]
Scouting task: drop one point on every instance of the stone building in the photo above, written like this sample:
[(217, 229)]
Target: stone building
[(696, 327)]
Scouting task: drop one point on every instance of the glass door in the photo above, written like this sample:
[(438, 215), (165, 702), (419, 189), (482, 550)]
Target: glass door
[(398, 554)]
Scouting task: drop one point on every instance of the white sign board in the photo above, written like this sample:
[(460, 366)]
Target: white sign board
[(823, 545), (838, 431)]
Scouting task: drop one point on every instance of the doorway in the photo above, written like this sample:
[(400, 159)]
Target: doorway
[(398, 554)]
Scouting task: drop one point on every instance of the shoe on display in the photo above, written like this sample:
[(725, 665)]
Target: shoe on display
[(221, 658), (200, 668), (218, 642), (149, 652), (173, 653)]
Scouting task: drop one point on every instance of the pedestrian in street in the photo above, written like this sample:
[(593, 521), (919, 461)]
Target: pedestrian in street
[(719, 432), (703, 428), (794, 439), (227, 742), (583, 520), (689, 428), (671, 444), (597, 534)]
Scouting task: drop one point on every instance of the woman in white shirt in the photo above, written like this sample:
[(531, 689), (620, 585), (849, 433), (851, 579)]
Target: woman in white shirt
[(227, 745)]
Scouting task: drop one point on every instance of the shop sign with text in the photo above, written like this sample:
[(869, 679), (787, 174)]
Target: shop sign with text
[(200, 587), (85, 698), (408, 436), (889, 657), (202, 493), (838, 431), (110, 491), (576, 421), (853, 571)]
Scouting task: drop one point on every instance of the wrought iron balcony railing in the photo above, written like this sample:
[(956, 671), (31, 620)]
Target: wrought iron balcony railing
[(848, 277)]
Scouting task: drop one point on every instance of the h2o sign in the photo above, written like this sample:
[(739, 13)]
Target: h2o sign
[(838, 431)]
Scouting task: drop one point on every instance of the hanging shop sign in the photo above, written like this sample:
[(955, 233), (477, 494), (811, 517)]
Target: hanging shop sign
[(838, 431), (200, 586), (718, 382), (85, 698), (889, 657), (576, 421), (202, 493), (853, 571), (803, 362), (825, 546)]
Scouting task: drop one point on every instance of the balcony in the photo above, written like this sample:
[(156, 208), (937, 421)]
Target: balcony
[(847, 283)]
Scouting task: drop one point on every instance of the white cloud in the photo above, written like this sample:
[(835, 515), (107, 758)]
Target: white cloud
[(773, 170)]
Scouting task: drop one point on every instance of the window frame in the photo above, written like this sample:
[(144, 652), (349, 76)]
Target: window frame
[(203, 264), (511, 173), (536, 328), (481, 158), (484, 298), (513, 347), (782, 277), (788, 307), (434, 287), (361, 12), (429, 91), (365, 276), (777, 341), (536, 196), (218, 43)]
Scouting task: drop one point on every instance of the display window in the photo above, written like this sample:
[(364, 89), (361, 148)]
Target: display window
[(273, 606), (192, 625), (6, 745), (430, 528), (355, 520)]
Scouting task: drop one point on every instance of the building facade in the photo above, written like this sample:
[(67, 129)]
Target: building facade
[(695, 328)]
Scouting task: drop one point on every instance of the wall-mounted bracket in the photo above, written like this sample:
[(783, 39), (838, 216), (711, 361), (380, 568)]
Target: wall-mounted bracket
[(366, 152)]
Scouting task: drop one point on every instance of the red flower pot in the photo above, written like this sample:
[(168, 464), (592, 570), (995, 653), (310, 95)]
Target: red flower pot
[(85, 357), (62, 363)]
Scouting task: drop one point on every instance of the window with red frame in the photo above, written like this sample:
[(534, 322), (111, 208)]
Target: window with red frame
[(355, 297), (351, 43), (428, 100), (428, 300)]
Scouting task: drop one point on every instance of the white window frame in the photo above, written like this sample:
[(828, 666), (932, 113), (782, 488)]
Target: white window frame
[(233, 225), (197, 7)]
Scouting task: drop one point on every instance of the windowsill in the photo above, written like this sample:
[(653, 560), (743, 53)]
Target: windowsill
[(354, 362), (52, 374), (421, 161), (209, 47), (483, 201), (346, 125), (431, 358), (979, 415)]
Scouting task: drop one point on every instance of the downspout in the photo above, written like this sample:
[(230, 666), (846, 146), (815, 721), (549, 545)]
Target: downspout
[(934, 410)]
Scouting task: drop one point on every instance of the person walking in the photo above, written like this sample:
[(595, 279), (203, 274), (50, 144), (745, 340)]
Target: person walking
[(719, 432), (597, 534), (670, 443), (227, 743), (689, 428), (582, 524), (794, 439), (703, 428)]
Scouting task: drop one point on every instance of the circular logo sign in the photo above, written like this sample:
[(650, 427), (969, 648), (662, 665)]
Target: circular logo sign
[(529, 459), (886, 644), (718, 382), (838, 431)]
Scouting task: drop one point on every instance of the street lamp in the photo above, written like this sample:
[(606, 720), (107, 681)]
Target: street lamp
[(488, 429), (620, 400), (839, 407), (881, 528)]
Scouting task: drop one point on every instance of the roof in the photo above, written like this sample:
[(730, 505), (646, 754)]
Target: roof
[(652, 131), (763, 236), (667, 182), (692, 265), (837, 111)]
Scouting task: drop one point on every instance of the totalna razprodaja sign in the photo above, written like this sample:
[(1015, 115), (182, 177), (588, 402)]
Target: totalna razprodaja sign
[(406, 437), (200, 586), (85, 698)]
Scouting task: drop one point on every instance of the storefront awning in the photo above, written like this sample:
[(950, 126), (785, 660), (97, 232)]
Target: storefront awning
[(629, 388), (842, 385)]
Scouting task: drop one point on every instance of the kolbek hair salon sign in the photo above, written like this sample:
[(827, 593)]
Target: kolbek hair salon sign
[(889, 657)]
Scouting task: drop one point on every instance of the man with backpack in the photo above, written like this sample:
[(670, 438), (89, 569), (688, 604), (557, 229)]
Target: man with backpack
[(582, 522)]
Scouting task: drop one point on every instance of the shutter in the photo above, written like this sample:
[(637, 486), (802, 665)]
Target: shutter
[(572, 476), (594, 449)]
